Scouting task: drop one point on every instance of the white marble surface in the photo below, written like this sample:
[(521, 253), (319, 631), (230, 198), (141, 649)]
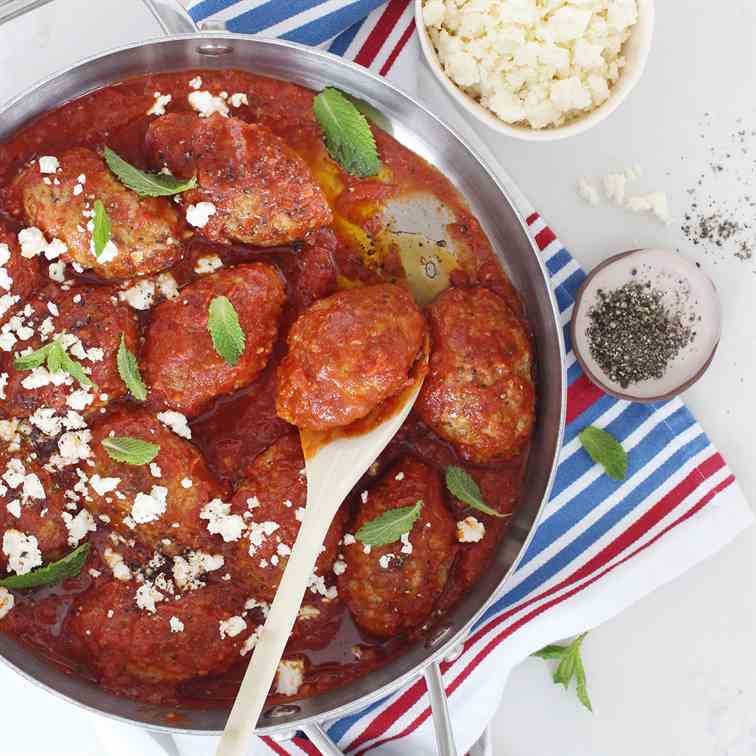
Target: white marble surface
[(672, 675)]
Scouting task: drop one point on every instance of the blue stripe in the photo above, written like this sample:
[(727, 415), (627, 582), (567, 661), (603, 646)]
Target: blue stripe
[(341, 44), (558, 261), (588, 416), (571, 513), (326, 27), (207, 8), (572, 283), (567, 336), (339, 728), (273, 12), (574, 372), (563, 298)]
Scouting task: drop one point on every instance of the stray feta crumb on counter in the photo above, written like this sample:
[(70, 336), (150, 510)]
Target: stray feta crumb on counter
[(206, 103), (6, 602), (48, 164), (231, 627), (531, 62), (614, 187), (588, 192), (656, 203), (22, 551), (177, 626), (176, 422), (290, 676), (158, 107), (470, 530), (238, 99), (195, 83), (198, 215), (207, 264), (150, 507), (221, 522)]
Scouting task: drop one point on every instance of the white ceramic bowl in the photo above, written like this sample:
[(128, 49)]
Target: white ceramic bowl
[(636, 52)]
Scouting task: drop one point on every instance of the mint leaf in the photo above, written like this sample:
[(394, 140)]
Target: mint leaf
[(146, 184), (128, 369), (346, 133), (227, 335), (73, 368), (102, 228), (570, 666), (32, 360), (606, 451), (130, 450), (463, 486), (390, 526), (55, 572)]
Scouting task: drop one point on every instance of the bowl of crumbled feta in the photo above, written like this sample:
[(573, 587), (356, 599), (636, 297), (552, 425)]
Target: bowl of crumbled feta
[(537, 69)]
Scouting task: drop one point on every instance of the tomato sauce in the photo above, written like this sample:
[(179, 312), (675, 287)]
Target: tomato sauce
[(238, 427)]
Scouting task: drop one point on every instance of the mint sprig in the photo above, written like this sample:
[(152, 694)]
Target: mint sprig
[(346, 133), (463, 486), (606, 451), (226, 333), (55, 572), (146, 184), (128, 369), (390, 526), (57, 359), (130, 450), (102, 228), (570, 665)]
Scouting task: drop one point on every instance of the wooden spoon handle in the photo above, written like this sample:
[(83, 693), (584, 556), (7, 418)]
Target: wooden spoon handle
[(283, 613)]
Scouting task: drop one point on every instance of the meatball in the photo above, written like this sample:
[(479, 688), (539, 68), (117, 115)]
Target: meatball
[(32, 503), (274, 493), (157, 504), (394, 588), (262, 191), (179, 641), (21, 276), (89, 322), (145, 231), (479, 392), (182, 367), (347, 353)]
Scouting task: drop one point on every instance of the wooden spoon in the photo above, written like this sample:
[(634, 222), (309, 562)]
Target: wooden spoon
[(335, 461)]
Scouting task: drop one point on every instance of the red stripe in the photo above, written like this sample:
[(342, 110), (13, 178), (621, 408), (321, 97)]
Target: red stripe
[(380, 32), (531, 219), (306, 746), (408, 32), (580, 396), (274, 746), (410, 696), (544, 237), (484, 652)]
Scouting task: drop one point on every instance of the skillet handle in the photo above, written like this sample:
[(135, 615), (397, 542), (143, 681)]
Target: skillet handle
[(440, 710), (170, 14)]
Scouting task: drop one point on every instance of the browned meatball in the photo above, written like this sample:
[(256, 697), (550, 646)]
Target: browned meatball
[(179, 641), (263, 192), (177, 485), (31, 502), (22, 276), (347, 353), (479, 392), (182, 367), (93, 321), (274, 494), (392, 588), (145, 231)]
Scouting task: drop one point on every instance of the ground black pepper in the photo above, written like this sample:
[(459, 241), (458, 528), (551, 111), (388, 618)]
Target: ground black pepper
[(632, 335)]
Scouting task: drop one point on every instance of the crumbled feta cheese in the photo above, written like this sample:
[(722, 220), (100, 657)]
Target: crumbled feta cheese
[(103, 486), (33, 488), (57, 272), (78, 526), (614, 187), (656, 203), (339, 567), (55, 249), (207, 264), (74, 445), (155, 470), (238, 99), (186, 483), (147, 596), (406, 544), (198, 215), (167, 286), (299, 513), (6, 602), (385, 560), (258, 532), (470, 530), (32, 241), (189, 568), (115, 561), (3, 384), (307, 612), (22, 551), (195, 83), (158, 107), (290, 676), (251, 641), (140, 296), (150, 507), (231, 627), (348, 539), (177, 626), (48, 164), (206, 103), (588, 192), (176, 422), (94, 573), (79, 399), (221, 522)]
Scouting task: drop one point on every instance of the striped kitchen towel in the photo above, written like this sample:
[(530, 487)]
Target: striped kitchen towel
[(600, 544)]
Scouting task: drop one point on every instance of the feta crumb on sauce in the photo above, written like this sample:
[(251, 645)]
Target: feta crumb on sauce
[(406, 544), (588, 192), (385, 560), (147, 596), (186, 483), (32, 242), (290, 676), (94, 573), (48, 164), (176, 422), (532, 62), (158, 107), (150, 507), (22, 551), (78, 526), (348, 539), (470, 530), (399, 476), (195, 83), (155, 470), (206, 103), (208, 263), (103, 486), (199, 215), (57, 272), (6, 602), (221, 522), (140, 296), (258, 532), (339, 567), (167, 286), (79, 399), (307, 612), (238, 99), (189, 568), (231, 627), (177, 626)]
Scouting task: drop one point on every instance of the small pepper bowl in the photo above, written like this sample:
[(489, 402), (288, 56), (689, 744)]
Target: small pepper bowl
[(686, 288)]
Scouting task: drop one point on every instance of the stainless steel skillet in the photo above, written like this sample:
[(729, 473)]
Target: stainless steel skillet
[(422, 132)]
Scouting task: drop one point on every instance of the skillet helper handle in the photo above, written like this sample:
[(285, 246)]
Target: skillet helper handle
[(440, 710), (170, 14), (319, 738)]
